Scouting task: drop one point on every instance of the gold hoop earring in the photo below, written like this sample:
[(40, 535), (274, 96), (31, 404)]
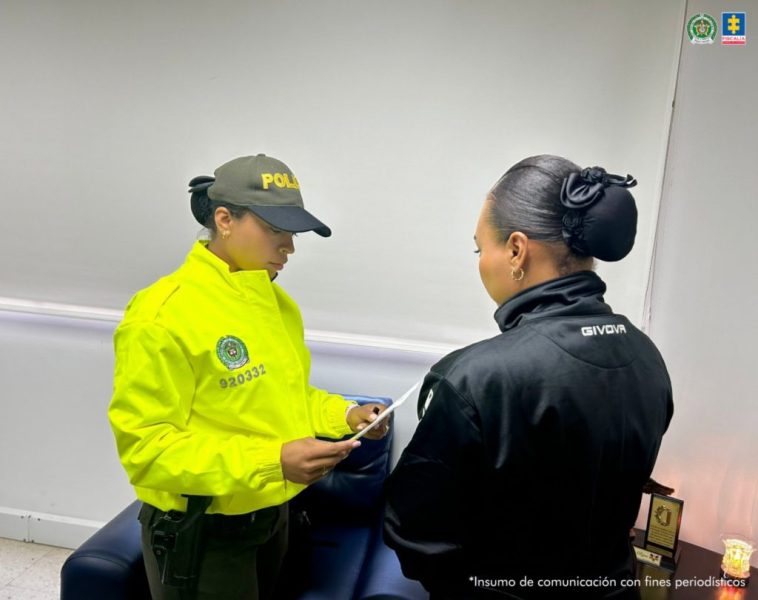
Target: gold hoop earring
[(520, 276), (226, 233)]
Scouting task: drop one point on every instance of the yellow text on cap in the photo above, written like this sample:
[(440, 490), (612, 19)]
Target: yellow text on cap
[(280, 180)]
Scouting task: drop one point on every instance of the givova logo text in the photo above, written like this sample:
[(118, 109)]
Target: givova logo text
[(609, 329)]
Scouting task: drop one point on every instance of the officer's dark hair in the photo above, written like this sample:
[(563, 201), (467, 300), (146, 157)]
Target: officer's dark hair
[(204, 209), (532, 198)]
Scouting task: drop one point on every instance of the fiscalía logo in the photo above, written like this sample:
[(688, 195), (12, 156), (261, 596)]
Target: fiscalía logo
[(280, 180), (609, 329), (232, 352), (733, 29), (702, 28)]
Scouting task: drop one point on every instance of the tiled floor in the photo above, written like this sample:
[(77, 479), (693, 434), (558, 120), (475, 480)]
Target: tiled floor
[(30, 571)]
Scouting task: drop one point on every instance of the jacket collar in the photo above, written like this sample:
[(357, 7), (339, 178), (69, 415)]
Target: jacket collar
[(576, 294), (242, 281)]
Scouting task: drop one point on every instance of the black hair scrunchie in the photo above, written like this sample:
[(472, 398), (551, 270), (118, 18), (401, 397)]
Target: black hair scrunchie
[(200, 204), (601, 215)]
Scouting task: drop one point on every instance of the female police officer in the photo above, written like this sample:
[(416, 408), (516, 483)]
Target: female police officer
[(551, 428), (211, 394)]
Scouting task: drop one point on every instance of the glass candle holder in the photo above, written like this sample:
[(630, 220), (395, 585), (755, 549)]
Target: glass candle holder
[(736, 561)]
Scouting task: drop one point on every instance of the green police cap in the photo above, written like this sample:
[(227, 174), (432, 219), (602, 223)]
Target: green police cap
[(266, 187)]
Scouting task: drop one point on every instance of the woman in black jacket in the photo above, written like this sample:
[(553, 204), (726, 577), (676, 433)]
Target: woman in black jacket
[(525, 473)]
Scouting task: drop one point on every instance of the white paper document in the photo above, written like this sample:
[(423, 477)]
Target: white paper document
[(387, 412)]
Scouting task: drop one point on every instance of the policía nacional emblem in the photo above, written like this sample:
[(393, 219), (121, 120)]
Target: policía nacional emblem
[(232, 352), (701, 29)]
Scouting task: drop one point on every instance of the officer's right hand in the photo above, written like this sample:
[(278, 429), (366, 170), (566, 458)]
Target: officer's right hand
[(307, 460)]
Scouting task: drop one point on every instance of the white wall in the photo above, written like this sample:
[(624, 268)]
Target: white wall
[(57, 451), (704, 287), (396, 116)]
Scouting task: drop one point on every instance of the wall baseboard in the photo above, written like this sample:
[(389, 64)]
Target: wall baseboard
[(336, 338), (14, 524), (44, 528)]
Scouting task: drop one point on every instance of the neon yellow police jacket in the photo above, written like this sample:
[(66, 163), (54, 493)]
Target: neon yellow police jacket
[(211, 379)]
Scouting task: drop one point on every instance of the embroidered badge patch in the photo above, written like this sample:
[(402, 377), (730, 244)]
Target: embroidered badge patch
[(232, 352)]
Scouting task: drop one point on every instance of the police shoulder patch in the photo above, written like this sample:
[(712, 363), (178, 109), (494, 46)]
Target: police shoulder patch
[(232, 352)]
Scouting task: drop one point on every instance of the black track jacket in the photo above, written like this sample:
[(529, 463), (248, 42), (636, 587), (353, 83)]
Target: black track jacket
[(532, 448)]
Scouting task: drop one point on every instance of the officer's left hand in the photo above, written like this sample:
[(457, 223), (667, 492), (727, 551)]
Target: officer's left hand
[(360, 416)]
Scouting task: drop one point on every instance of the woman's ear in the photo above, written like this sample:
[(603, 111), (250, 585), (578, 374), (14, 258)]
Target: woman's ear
[(518, 249), (223, 218)]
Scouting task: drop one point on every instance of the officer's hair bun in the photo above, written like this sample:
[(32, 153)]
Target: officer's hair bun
[(200, 204)]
